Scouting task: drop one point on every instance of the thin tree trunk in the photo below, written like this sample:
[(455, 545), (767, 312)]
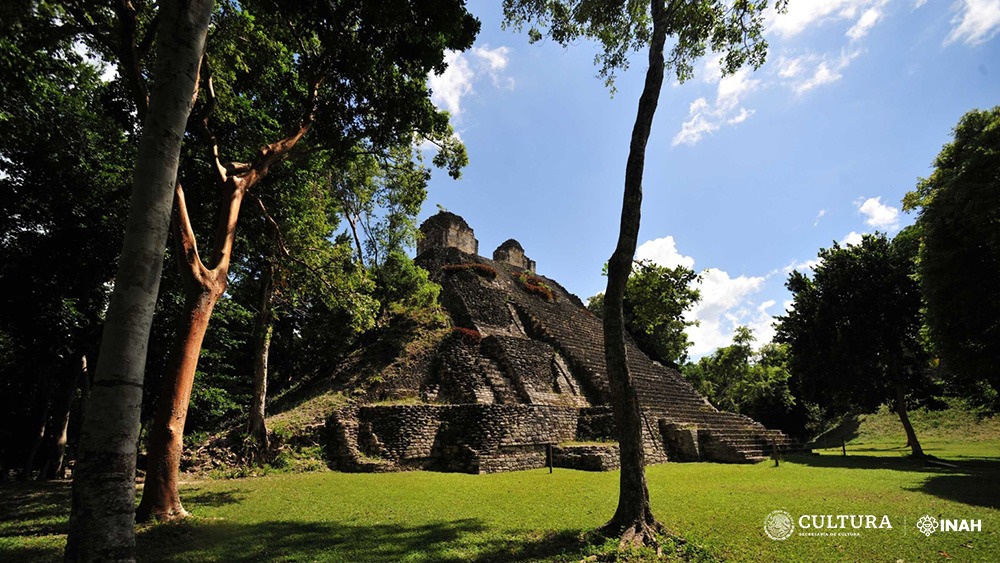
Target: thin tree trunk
[(205, 284), (258, 429), (38, 426), (911, 436), (633, 520), (203, 288), (62, 401), (103, 512)]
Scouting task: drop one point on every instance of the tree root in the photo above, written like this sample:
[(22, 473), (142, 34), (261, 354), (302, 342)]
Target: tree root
[(640, 532)]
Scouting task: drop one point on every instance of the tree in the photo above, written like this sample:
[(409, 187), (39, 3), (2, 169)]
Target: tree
[(959, 265), (854, 330), (64, 176), (656, 298), (735, 29), (739, 379), (103, 513), (360, 71)]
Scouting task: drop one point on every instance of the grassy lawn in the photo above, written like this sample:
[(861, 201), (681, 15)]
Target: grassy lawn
[(532, 515)]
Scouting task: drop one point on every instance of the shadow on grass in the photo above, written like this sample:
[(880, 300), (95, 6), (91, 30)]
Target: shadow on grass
[(972, 481), (39, 508), (846, 431), (31, 511), (462, 540), (213, 498)]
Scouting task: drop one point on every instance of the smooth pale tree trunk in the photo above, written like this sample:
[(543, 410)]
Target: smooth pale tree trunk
[(911, 436), (103, 508), (633, 520), (265, 327)]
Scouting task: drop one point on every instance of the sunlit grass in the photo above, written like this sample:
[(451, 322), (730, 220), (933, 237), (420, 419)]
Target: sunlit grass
[(535, 516)]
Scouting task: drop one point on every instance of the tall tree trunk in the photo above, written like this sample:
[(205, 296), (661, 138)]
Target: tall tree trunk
[(911, 436), (633, 519), (203, 288), (62, 401), (204, 285), (103, 512), (39, 424), (258, 430)]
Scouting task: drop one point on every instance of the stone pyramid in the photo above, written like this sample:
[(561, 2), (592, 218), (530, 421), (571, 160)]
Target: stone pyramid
[(520, 382)]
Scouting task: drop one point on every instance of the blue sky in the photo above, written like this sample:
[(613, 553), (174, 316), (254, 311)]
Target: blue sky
[(747, 176)]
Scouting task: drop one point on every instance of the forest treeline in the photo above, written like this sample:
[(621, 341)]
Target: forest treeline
[(300, 180), (902, 321)]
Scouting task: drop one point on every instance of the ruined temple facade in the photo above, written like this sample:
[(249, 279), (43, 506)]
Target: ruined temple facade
[(521, 377)]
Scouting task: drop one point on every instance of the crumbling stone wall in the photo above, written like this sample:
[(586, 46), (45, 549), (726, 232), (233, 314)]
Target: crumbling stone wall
[(511, 252), (445, 230), (468, 438)]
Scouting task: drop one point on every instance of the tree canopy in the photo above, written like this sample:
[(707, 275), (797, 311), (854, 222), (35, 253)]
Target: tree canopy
[(959, 264), (853, 332), (656, 299)]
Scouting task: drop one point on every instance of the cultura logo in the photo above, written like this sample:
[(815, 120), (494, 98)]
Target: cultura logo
[(779, 525)]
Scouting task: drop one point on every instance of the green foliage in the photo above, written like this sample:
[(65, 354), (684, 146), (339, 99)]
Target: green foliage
[(403, 286), (733, 29), (65, 167), (853, 332), (739, 379), (656, 298), (959, 265)]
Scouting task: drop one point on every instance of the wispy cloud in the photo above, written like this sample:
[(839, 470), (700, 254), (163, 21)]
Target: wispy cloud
[(451, 86), (705, 118), (975, 22), (804, 14), (820, 215)]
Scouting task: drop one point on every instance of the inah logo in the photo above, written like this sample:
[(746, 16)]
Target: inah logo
[(779, 525), (927, 524)]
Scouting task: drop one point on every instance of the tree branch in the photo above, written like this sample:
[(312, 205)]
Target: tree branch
[(284, 249)]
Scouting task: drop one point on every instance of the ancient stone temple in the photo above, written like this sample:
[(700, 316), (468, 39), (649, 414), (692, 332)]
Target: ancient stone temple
[(521, 377)]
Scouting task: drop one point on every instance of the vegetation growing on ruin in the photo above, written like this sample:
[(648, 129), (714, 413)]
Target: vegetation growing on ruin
[(535, 285), (485, 270)]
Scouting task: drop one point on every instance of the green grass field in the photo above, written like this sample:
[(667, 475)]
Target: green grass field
[(532, 515)]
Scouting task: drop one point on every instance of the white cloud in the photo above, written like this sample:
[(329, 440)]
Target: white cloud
[(820, 215), (864, 24), (792, 67), (494, 61), (805, 266), (878, 214), (803, 14), (852, 239), (724, 303), (705, 118), (456, 82), (975, 22), (448, 88), (822, 75), (663, 251), (722, 308), (827, 70)]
